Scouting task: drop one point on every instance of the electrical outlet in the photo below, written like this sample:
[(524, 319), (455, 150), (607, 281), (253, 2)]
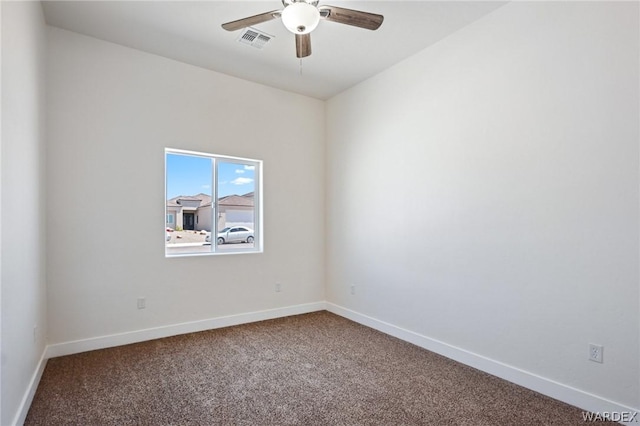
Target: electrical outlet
[(142, 303), (278, 287), (596, 353), (353, 289)]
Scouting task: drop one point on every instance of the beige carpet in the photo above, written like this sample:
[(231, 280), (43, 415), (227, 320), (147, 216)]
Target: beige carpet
[(313, 369)]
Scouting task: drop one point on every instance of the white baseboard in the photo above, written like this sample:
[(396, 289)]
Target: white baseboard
[(109, 341), (25, 404), (564, 393)]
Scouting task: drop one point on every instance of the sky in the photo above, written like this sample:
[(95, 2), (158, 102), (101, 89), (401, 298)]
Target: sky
[(191, 175)]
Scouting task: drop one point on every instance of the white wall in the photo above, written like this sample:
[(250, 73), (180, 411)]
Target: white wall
[(111, 112), (484, 193), (23, 203)]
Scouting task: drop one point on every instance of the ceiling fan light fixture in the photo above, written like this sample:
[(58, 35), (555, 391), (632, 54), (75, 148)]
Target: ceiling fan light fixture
[(300, 18)]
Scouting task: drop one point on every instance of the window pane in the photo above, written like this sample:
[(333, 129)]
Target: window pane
[(188, 192), (236, 196)]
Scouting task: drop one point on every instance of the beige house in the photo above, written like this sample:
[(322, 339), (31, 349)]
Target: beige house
[(194, 212)]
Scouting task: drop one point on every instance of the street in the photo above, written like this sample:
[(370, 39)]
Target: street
[(206, 248)]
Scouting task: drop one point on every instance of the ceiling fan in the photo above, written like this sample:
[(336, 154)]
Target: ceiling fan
[(302, 16)]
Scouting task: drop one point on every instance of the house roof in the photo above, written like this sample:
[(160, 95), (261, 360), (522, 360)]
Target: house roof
[(245, 200), (204, 200), (236, 200)]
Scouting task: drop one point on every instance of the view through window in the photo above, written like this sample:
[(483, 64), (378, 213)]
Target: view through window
[(212, 203)]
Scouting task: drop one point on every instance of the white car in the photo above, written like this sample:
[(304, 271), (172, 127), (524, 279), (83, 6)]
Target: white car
[(233, 234)]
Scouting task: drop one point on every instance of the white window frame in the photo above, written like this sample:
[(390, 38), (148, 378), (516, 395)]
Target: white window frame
[(258, 243)]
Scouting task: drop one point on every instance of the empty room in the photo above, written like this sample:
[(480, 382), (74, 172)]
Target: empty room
[(426, 212)]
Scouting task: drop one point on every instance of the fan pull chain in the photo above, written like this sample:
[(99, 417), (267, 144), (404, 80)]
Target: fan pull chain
[(300, 66)]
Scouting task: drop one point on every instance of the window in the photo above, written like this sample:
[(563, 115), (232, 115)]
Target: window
[(213, 204)]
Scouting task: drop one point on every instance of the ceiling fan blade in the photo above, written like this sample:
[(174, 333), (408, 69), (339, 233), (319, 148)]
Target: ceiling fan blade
[(370, 21), (303, 45), (251, 20)]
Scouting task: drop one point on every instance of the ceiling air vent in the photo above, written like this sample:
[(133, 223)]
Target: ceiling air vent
[(254, 38)]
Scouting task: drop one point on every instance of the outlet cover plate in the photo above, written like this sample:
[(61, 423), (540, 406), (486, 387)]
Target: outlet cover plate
[(596, 353)]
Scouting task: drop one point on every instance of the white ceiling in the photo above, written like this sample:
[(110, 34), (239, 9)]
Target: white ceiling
[(190, 32)]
